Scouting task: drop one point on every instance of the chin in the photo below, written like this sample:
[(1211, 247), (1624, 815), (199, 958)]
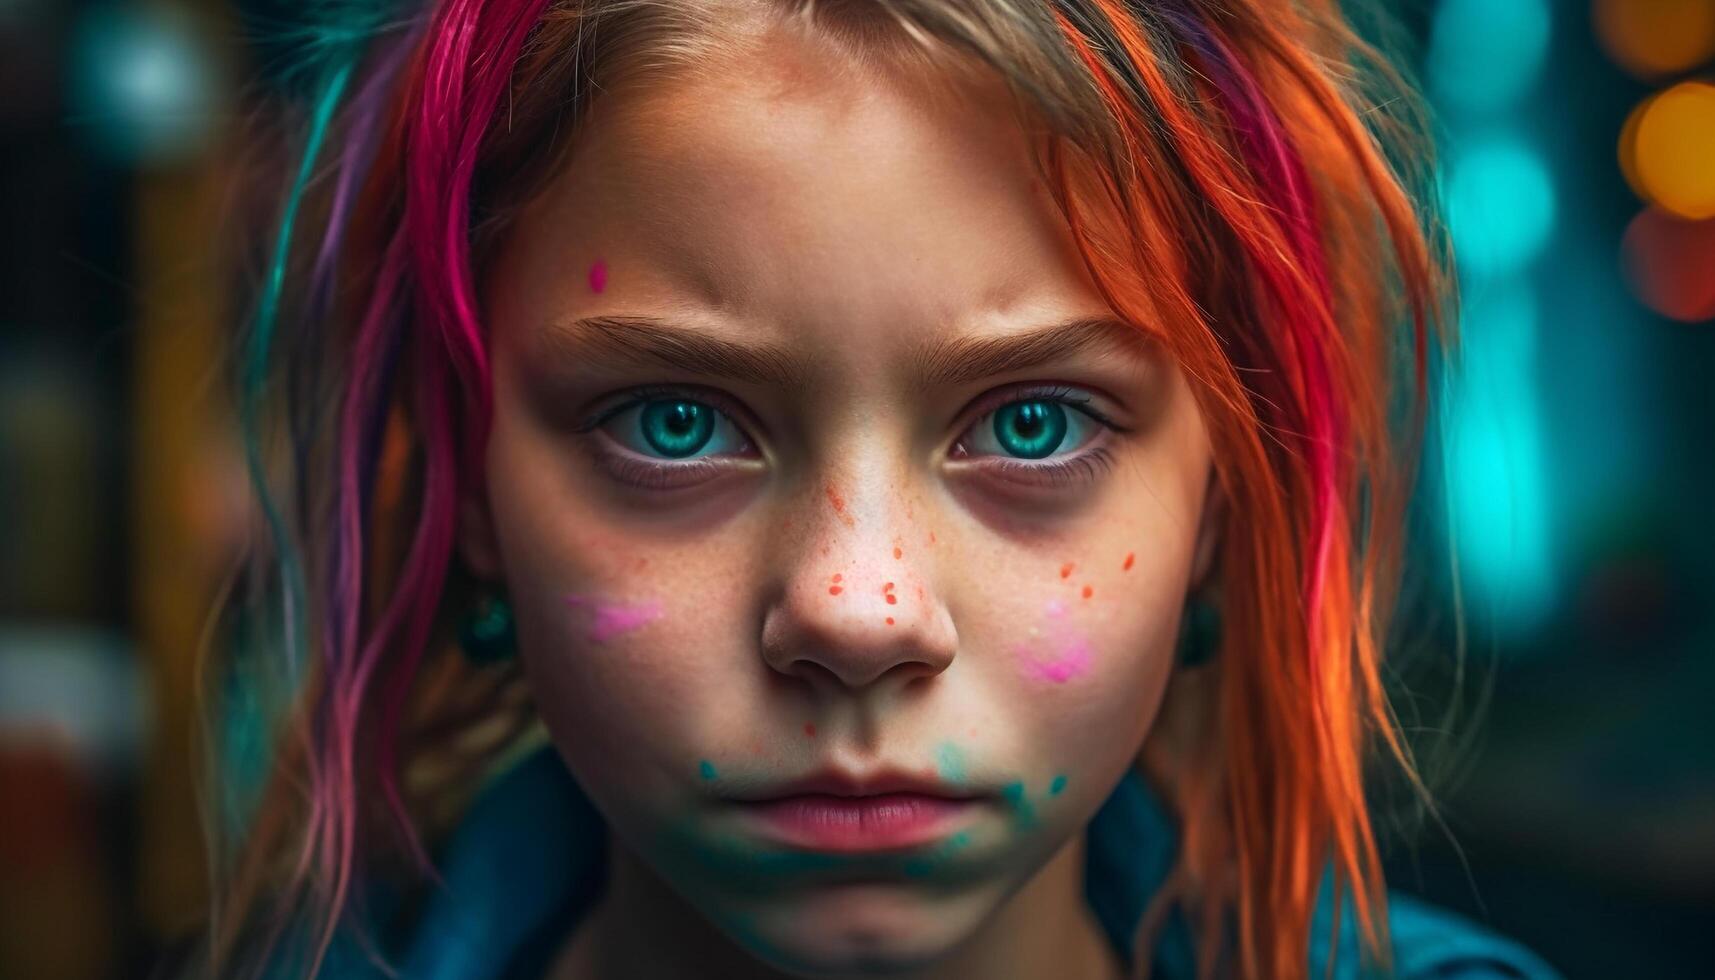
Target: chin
[(858, 930)]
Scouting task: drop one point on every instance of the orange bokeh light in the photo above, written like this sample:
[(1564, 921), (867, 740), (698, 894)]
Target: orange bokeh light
[(1652, 38), (1629, 148), (1672, 149)]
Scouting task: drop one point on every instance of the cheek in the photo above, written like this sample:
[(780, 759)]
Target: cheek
[(1086, 655)]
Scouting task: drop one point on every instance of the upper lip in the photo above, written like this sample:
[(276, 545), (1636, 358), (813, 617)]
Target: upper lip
[(837, 782)]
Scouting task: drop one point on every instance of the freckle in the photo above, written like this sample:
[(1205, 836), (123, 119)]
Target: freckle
[(824, 551), (890, 620), (598, 276), (1128, 560), (839, 504), (1066, 570), (897, 553), (834, 590), (1088, 591), (810, 729)]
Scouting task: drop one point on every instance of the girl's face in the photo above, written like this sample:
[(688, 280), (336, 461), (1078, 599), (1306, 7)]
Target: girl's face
[(818, 472)]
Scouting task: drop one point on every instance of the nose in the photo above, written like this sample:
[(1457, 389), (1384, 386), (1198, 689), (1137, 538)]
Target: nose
[(859, 608)]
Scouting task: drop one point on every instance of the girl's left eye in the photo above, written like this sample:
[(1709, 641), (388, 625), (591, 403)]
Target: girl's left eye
[(1035, 424)]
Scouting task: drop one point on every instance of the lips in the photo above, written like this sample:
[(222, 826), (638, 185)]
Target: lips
[(833, 811), (859, 823)]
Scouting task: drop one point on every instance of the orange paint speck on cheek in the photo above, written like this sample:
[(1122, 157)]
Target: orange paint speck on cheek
[(890, 620), (1066, 570), (1088, 591), (887, 590), (897, 553), (834, 590), (839, 505), (1128, 560)]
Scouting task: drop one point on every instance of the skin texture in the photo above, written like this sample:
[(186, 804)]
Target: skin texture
[(846, 578)]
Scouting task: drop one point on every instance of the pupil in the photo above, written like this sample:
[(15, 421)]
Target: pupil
[(1031, 429), (677, 428)]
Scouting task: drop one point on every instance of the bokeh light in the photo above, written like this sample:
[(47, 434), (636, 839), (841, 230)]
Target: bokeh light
[(1500, 207), (1628, 149), (1496, 484), (1670, 263), (1651, 38), (1673, 149), (142, 87), (1484, 55)]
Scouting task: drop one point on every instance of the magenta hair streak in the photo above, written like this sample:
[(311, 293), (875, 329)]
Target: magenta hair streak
[(457, 80)]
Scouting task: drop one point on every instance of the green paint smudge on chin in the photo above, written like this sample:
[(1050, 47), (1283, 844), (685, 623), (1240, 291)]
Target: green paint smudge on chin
[(706, 769), (1057, 786), (924, 865)]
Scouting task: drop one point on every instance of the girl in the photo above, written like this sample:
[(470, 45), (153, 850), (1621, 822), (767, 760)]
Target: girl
[(933, 468)]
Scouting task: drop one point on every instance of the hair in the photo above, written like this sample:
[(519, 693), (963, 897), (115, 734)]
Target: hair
[(1250, 173)]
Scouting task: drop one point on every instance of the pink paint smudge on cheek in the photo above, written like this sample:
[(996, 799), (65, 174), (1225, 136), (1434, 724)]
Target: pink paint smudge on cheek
[(610, 619), (598, 276), (1073, 658)]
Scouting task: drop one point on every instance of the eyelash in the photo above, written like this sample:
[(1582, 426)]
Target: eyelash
[(1084, 466)]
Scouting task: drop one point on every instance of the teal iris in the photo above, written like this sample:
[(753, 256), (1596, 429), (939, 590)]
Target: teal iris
[(1031, 429), (676, 427)]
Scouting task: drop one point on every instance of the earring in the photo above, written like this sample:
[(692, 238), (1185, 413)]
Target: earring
[(1199, 632), (486, 634)]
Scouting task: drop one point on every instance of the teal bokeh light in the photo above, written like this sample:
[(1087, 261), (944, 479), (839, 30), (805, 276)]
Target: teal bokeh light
[(1497, 505), (1500, 207), (142, 87), (1485, 55)]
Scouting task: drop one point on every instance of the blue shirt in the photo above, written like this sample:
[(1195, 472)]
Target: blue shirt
[(527, 861)]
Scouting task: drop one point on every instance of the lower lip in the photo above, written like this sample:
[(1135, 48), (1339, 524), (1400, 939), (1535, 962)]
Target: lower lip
[(860, 823)]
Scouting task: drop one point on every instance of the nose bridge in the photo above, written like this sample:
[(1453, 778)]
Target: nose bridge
[(859, 602)]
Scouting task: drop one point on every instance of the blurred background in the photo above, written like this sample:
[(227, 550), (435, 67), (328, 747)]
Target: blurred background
[(1572, 471)]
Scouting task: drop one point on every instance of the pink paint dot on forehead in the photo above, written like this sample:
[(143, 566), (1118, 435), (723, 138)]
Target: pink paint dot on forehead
[(598, 276)]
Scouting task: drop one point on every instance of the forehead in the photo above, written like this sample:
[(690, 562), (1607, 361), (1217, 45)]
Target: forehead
[(786, 186)]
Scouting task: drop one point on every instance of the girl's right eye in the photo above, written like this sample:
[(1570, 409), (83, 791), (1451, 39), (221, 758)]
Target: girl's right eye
[(676, 428), (669, 438)]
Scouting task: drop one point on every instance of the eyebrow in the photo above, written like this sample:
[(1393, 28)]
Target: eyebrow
[(942, 362)]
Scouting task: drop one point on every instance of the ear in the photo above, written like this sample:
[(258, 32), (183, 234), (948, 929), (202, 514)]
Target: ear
[(478, 545), (1211, 527)]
